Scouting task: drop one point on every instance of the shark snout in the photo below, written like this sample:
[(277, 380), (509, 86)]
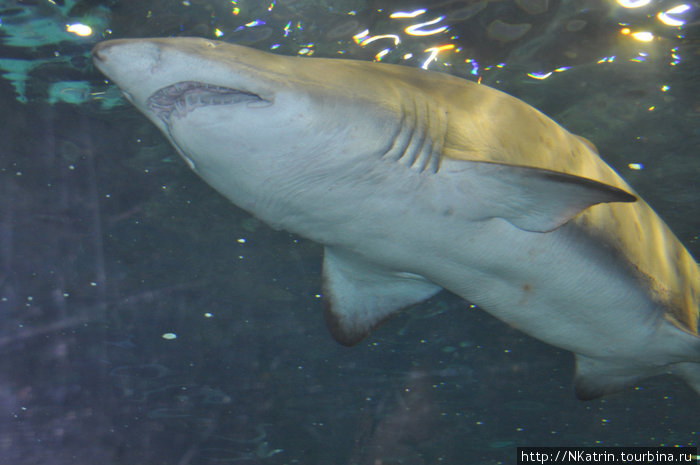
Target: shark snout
[(125, 56), (129, 64), (109, 50), (96, 54)]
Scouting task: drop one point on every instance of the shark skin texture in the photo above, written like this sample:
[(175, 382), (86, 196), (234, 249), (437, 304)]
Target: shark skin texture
[(417, 181)]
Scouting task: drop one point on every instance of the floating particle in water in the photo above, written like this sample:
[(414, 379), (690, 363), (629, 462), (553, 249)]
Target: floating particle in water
[(505, 32), (169, 336), (533, 7)]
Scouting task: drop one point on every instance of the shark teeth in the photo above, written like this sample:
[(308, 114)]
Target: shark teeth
[(183, 97)]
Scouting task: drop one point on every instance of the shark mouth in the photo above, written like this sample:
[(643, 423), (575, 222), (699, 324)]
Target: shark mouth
[(183, 97)]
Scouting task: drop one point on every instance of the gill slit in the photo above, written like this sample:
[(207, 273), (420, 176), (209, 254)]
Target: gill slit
[(419, 138), (400, 140), (420, 135)]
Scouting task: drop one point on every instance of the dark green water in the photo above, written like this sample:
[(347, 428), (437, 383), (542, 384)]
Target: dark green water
[(146, 320)]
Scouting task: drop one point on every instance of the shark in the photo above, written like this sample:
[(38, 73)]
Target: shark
[(417, 181)]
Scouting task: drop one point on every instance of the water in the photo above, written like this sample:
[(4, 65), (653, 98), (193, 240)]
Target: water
[(146, 320)]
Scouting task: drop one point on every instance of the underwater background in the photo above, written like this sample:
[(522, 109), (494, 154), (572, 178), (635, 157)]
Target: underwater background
[(146, 320)]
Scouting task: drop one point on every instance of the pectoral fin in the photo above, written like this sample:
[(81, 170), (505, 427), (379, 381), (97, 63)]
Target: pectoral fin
[(534, 199), (359, 295)]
